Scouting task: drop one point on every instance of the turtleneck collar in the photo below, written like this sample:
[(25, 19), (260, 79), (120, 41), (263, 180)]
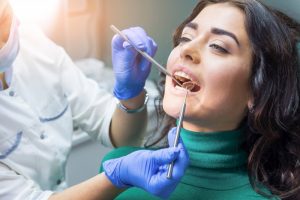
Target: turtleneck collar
[(215, 150), (216, 159)]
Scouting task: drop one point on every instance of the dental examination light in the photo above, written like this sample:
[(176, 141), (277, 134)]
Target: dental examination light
[(35, 11)]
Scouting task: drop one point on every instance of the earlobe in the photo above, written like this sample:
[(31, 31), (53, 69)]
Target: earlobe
[(250, 106)]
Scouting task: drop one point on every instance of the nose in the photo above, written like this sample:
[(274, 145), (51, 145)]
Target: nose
[(191, 51)]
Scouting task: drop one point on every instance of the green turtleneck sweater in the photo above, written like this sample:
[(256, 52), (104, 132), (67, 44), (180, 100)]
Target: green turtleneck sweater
[(217, 169)]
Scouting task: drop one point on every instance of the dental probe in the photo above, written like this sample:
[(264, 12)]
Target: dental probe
[(149, 58), (181, 115)]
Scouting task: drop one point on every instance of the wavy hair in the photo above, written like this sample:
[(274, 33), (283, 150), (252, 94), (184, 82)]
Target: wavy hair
[(273, 125)]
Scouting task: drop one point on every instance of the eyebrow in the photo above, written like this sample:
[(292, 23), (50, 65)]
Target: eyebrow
[(192, 25), (216, 31)]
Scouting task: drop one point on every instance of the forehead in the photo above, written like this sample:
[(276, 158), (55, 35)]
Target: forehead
[(3, 6), (224, 16)]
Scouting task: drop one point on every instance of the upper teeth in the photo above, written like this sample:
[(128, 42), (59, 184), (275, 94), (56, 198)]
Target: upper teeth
[(182, 74)]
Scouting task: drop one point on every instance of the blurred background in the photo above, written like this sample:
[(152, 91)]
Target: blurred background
[(82, 28)]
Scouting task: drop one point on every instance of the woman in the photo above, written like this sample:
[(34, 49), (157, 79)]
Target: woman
[(43, 95), (241, 125)]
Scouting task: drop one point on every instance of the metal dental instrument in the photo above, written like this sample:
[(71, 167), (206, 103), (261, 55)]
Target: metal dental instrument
[(181, 115), (149, 58)]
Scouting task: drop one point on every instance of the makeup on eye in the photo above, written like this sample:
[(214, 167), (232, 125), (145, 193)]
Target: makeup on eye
[(183, 39), (219, 48), (191, 27), (216, 31)]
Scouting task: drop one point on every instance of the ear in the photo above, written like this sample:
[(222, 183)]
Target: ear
[(250, 103)]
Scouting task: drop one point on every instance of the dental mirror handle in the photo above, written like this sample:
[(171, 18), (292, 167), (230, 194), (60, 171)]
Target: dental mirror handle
[(170, 168)]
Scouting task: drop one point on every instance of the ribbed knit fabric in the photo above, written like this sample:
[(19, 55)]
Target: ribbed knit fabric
[(217, 169)]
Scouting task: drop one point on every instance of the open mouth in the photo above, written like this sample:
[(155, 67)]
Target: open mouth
[(186, 82)]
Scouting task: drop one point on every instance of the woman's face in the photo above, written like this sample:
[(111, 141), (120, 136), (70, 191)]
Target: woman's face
[(215, 52), (5, 21)]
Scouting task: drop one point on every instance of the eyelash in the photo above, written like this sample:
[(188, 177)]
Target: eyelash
[(182, 40), (218, 48)]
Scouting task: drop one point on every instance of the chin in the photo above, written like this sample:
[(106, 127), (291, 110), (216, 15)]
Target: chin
[(172, 109)]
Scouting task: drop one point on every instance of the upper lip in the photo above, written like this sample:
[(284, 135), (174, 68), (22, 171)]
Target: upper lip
[(187, 71)]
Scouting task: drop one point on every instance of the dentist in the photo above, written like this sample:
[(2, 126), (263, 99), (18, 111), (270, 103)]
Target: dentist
[(43, 96)]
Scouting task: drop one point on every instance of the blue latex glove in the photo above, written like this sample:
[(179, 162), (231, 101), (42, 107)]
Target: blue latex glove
[(148, 169), (130, 68)]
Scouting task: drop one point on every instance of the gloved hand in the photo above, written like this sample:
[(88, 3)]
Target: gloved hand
[(148, 169), (131, 69)]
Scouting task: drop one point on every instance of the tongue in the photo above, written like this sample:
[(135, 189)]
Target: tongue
[(188, 85)]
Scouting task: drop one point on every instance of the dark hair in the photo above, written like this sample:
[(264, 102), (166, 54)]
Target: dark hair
[(273, 126)]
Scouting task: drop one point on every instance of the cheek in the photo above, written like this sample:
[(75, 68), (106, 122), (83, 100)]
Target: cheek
[(171, 103), (166, 104), (174, 55), (230, 87), (227, 77), (171, 106)]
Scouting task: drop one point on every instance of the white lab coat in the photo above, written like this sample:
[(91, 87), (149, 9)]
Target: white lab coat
[(47, 97)]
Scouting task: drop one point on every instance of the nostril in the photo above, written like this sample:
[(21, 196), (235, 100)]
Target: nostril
[(189, 57)]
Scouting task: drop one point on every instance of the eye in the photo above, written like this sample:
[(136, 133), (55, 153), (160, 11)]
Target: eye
[(183, 40), (219, 48)]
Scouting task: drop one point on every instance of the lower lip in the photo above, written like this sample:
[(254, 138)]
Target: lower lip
[(181, 91)]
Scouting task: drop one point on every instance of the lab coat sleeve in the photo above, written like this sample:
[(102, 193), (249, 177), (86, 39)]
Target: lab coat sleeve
[(17, 187), (92, 106)]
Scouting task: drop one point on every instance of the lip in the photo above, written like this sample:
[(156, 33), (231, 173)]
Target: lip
[(189, 73), (185, 70), (180, 92)]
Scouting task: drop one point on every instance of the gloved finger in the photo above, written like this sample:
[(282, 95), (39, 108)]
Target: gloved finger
[(151, 48), (162, 186), (137, 36), (171, 140), (139, 39), (163, 169), (117, 42), (165, 156), (183, 154), (122, 51), (171, 136), (112, 172), (142, 41), (181, 163)]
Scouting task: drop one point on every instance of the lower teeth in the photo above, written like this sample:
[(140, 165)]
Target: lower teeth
[(179, 87)]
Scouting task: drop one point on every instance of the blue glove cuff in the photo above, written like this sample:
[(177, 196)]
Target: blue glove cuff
[(112, 172), (137, 110), (124, 93)]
